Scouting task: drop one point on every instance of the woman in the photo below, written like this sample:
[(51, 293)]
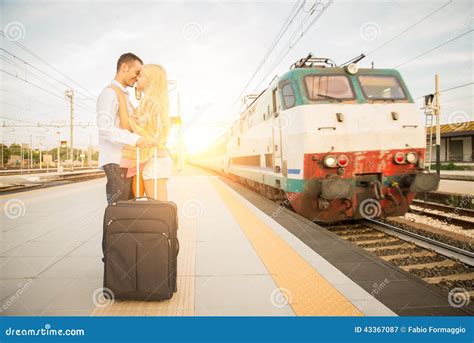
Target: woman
[(150, 120)]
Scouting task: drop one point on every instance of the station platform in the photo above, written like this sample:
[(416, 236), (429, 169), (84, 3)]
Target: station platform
[(461, 175), (460, 187), (236, 259), (44, 177)]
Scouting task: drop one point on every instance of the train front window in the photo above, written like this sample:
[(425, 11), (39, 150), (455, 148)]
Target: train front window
[(328, 87), (381, 87), (288, 95)]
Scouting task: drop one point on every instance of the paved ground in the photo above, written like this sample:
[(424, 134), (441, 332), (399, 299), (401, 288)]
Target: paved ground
[(50, 252), (50, 257), (456, 187)]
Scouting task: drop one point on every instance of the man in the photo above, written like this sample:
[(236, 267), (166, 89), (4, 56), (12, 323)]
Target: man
[(112, 137)]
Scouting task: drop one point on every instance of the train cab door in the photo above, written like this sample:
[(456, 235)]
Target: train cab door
[(276, 133)]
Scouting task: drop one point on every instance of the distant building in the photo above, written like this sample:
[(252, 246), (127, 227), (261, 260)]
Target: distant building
[(457, 142), (14, 160)]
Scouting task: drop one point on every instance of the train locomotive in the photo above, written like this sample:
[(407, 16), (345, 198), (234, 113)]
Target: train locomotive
[(337, 143)]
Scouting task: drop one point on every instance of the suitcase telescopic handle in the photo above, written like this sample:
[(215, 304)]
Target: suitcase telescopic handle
[(155, 184), (138, 174), (144, 197)]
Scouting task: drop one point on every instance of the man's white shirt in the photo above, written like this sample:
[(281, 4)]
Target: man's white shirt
[(112, 137)]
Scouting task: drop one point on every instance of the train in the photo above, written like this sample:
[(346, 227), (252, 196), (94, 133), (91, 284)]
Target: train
[(336, 143)]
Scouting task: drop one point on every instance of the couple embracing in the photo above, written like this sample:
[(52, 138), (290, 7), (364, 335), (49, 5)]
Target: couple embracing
[(123, 129)]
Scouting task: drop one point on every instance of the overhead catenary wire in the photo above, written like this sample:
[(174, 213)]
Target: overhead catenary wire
[(28, 73), (33, 84), (292, 43), (44, 89), (43, 72), (432, 49), (450, 89), (86, 106), (408, 28), (49, 65), (275, 42), (28, 97), (456, 87)]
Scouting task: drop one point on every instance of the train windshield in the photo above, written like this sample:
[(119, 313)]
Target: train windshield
[(381, 87), (328, 87)]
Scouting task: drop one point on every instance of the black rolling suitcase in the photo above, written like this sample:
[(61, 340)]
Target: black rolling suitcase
[(140, 247)]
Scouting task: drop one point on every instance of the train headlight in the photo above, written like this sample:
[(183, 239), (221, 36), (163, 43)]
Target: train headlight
[(352, 68), (330, 161), (343, 161), (399, 158), (412, 157)]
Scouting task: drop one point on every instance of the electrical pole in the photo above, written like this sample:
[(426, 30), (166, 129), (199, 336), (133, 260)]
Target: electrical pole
[(3, 167), (31, 152), (89, 150), (21, 153), (59, 151), (70, 94), (438, 131)]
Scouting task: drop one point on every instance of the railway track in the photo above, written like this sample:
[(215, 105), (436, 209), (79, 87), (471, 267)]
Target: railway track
[(444, 213), (58, 181), (434, 262), (440, 264), (445, 208)]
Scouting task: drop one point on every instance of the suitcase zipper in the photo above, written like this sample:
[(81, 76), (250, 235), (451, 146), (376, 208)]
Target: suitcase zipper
[(167, 238), (169, 250)]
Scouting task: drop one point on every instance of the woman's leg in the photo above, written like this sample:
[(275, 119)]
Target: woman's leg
[(162, 191)]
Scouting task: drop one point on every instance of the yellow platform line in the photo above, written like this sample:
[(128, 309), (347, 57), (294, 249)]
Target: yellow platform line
[(307, 292)]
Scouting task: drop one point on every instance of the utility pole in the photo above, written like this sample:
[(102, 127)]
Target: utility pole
[(70, 94), (59, 152), (21, 153), (89, 150), (3, 167), (31, 152), (438, 131)]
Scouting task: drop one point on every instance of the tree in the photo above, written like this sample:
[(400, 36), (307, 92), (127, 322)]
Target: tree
[(6, 153)]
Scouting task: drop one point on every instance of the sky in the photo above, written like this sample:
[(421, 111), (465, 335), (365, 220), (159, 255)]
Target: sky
[(211, 49)]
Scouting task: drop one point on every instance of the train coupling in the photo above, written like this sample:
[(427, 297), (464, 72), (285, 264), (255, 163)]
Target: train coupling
[(336, 189), (425, 182)]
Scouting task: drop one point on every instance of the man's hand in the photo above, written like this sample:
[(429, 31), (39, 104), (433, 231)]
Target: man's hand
[(142, 143)]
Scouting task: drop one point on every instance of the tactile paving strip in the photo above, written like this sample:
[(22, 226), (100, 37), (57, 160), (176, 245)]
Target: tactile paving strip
[(306, 291)]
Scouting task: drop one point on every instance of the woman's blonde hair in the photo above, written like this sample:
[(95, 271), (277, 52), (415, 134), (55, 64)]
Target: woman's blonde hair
[(153, 110)]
